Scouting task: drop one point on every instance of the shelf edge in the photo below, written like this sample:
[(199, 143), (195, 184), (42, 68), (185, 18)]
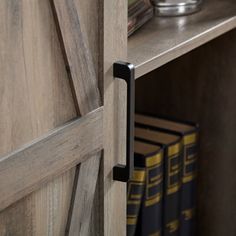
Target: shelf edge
[(185, 47)]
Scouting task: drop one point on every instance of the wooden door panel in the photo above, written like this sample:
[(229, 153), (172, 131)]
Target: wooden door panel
[(35, 98), (54, 55)]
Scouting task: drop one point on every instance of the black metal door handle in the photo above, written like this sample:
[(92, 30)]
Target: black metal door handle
[(125, 71)]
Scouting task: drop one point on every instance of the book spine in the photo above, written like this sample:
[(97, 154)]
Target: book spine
[(189, 186), (139, 21), (151, 217), (137, 9), (134, 199), (132, 2), (172, 188)]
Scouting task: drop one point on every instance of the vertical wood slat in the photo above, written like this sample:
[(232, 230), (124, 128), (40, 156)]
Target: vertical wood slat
[(115, 49), (84, 83)]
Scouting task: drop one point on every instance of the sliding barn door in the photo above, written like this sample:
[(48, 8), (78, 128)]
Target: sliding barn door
[(61, 117)]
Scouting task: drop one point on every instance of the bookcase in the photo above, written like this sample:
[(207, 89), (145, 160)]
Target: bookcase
[(63, 111), (185, 68)]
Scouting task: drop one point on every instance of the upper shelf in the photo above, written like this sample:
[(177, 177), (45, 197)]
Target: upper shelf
[(164, 39)]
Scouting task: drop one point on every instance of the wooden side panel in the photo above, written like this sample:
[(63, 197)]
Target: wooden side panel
[(200, 86), (115, 48)]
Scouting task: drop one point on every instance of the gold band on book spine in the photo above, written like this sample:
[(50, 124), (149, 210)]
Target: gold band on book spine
[(188, 139), (174, 149), (132, 221), (138, 175), (154, 160)]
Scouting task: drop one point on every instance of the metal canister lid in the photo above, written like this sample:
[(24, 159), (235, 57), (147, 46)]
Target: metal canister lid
[(176, 7)]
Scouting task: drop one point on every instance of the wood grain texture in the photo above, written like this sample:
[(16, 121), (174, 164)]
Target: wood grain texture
[(77, 54), (81, 207), (35, 97), (115, 47), (27, 168), (90, 17), (35, 213), (83, 71), (96, 221), (200, 86), (164, 39)]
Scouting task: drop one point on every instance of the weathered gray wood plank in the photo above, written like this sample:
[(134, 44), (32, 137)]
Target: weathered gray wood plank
[(77, 55), (81, 207), (115, 48), (27, 169)]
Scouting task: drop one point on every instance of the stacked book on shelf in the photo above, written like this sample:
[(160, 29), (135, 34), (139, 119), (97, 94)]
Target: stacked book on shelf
[(139, 12), (162, 192)]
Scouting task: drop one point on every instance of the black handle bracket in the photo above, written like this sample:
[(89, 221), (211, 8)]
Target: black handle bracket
[(125, 71)]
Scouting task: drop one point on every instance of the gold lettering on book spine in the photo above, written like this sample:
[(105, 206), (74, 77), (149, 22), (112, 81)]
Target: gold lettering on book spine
[(174, 168), (173, 226), (153, 163), (188, 214), (156, 234), (138, 179), (189, 142)]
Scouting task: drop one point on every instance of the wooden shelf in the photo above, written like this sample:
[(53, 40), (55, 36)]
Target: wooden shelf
[(164, 39)]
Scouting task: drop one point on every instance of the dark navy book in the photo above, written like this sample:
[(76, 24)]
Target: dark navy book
[(189, 132), (150, 158), (135, 191), (173, 150)]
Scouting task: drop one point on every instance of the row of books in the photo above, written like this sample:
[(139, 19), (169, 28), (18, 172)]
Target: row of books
[(162, 193), (139, 12)]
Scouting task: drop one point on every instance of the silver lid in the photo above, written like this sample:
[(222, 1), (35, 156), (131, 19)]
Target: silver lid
[(176, 8)]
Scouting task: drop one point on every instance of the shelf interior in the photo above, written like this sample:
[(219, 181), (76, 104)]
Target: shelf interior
[(200, 87), (163, 39)]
